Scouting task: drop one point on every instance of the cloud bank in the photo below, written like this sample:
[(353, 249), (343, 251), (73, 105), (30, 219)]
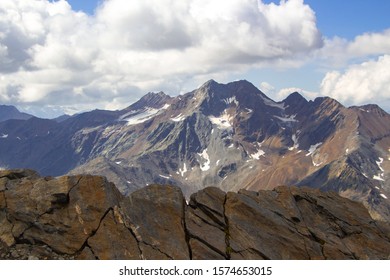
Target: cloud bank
[(368, 82), (50, 54)]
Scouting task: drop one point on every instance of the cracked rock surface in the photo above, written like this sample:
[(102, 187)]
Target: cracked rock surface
[(86, 217)]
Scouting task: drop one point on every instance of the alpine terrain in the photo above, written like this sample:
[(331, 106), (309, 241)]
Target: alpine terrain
[(230, 136)]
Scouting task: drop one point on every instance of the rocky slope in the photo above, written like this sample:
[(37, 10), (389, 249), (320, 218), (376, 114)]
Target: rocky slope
[(230, 136), (86, 217)]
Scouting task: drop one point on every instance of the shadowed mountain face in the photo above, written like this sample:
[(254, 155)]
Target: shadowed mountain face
[(230, 136), (86, 217), (10, 112)]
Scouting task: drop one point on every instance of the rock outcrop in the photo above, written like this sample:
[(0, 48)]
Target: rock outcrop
[(86, 217)]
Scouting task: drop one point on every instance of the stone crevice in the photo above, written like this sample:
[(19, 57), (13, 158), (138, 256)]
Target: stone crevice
[(85, 244), (209, 212), (314, 237), (186, 232), (227, 231), (207, 222), (141, 255), (74, 186), (264, 256), (157, 249), (223, 254), (383, 234)]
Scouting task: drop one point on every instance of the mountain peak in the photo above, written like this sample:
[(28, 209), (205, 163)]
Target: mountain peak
[(295, 96), (151, 99), (328, 102), (295, 102), (8, 112)]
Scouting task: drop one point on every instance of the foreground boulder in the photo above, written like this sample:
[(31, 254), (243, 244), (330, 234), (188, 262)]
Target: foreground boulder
[(86, 217)]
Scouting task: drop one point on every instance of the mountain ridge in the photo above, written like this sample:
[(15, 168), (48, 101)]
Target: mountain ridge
[(8, 112), (223, 135)]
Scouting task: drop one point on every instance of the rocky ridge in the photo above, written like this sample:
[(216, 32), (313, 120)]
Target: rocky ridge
[(86, 217)]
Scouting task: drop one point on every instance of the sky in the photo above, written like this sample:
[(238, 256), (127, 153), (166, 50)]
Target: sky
[(62, 56)]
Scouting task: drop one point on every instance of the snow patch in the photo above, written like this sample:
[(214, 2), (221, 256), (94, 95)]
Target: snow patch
[(165, 177), (184, 170), (222, 122), (316, 164), (118, 162), (295, 141), (218, 162), (272, 103), (142, 115), (231, 100), (382, 195), (377, 188), (378, 177), (178, 118), (4, 136), (346, 151), (313, 148), (258, 154), (379, 164), (287, 119), (206, 165)]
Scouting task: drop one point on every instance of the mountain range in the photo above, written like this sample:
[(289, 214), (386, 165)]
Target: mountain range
[(230, 136)]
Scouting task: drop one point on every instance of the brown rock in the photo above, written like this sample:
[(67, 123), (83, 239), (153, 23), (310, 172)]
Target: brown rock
[(85, 217), (61, 213), (113, 241), (205, 221), (201, 251), (343, 227), (155, 214), (6, 230), (257, 232), (3, 202)]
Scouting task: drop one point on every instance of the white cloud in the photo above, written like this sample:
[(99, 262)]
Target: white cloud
[(371, 44), (267, 88), (368, 82), (339, 51), (50, 54)]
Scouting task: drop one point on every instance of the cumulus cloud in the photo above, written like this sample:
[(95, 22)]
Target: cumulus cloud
[(339, 51), (50, 54), (267, 88), (368, 82)]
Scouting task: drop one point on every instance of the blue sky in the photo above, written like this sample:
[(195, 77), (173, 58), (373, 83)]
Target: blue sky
[(69, 56)]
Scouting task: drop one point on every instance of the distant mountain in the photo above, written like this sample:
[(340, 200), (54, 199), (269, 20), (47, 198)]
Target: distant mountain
[(10, 112), (231, 136), (61, 118)]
